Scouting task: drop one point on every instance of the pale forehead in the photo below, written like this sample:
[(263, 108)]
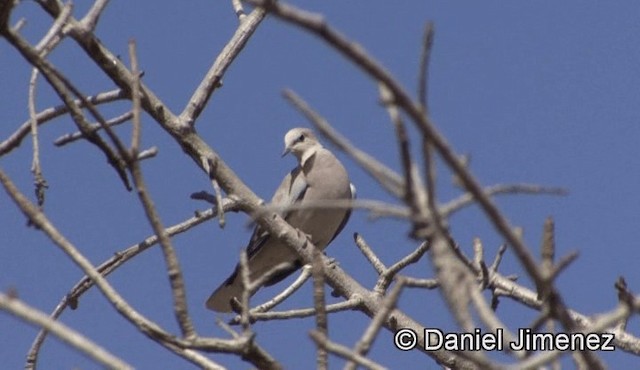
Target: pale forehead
[(296, 132)]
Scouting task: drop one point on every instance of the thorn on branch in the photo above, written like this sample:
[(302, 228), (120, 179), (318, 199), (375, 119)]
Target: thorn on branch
[(204, 195), (72, 301), (423, 75), (624, 294)]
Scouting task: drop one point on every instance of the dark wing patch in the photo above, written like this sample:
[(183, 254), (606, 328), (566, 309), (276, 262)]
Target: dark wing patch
[(286, 195), (275, 279)]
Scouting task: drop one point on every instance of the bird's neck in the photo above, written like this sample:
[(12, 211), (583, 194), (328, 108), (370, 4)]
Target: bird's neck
[(308, 154)]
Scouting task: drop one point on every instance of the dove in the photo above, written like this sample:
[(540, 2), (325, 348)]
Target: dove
[(318, 177)]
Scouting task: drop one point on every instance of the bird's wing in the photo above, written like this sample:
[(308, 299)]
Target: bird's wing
[(352, 188), (291, 190)]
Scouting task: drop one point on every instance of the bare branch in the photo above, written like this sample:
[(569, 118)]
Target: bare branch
[(548, 249), (467, 199), (213, 78), (369, 254), (135, 100), (90, 20), (50, 113), (496, 262), (39, 180), (386, 277), (319, 304), (454, 277), (148, 153), (414, 194), (246, 292), (286, 293), (344, 352), (410, 282), (364, 344), (71, 137), (53, 38), (280, 297), (492, 321), (352, 303), (66, 334)]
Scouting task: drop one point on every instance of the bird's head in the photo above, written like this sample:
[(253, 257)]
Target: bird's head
[(302, 143)]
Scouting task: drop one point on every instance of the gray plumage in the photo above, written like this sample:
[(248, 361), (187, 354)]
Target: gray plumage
[(319, 176)]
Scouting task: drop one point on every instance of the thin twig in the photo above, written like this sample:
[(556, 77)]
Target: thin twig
[(213, 78), (60, 330), (319, 303), (386, 277), (388, 304), (48, 114), (90, 20), (286, 293), (38, 179), (280, 297), (344, 352), (246, 292), (467, 199), (53, 38), (498, 259), (148, 153), (135, 101), (369, 254), (71, 137), (414, 195), (306, 312), (492, 321), (454, 277), (411, 282)]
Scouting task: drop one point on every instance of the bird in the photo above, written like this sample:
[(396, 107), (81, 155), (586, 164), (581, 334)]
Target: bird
[(319, 176)]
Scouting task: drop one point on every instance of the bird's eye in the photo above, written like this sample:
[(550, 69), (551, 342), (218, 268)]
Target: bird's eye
[(300, 138)]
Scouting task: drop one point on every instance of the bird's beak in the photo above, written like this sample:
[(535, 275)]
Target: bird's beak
[(286, 151)]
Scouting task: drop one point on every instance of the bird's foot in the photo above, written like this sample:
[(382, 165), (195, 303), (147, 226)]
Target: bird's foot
[(332, 262), (307, 237)]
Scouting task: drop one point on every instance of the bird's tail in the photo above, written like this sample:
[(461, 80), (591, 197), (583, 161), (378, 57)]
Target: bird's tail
[(220, 299)]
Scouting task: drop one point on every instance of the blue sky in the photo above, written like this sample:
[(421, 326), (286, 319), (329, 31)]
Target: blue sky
[(542, 92)]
